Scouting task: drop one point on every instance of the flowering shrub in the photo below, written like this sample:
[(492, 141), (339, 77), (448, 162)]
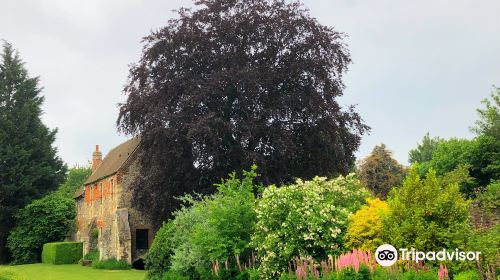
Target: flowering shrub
[(308, 218), (365, 226)]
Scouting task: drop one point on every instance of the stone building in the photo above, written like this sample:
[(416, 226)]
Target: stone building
[(107, 221)]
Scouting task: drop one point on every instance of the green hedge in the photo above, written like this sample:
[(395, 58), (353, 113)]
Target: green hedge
[(62, 252)]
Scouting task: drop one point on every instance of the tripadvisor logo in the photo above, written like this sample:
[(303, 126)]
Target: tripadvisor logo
[(387, 255)]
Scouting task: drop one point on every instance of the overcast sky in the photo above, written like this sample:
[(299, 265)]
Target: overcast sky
[(419, 66)]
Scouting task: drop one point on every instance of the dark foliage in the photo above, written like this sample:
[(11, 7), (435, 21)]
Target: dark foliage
[(29, 165), (233, 83), (379, 172)]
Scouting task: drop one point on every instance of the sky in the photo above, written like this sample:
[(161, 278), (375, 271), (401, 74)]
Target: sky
[(418, 66)]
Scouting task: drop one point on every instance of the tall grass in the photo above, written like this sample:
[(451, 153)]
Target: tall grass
[(111, 264)]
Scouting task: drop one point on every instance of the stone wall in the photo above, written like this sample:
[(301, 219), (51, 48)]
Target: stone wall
[(137, 219), (107, 218), (98, 219)]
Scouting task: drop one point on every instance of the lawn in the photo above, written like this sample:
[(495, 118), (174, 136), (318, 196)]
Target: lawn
[(69, 272)]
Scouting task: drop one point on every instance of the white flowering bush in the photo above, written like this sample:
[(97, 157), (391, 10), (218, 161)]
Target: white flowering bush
[(308, 218)]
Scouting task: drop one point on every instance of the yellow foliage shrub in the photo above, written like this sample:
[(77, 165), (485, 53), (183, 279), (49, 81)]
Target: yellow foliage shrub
[(365, 226)]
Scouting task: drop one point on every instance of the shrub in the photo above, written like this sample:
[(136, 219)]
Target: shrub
[(111, 264), (365, 226), (486, 241), (44, 220), (158, 256), (363, 273), (487, 204), (307, 218), (386, 273), (172, 275), (62, 252), (350, 274), (216, 227), (231, 274), (186, 258), (75, 178), (92, 256), (420, 275), (426, 215), (467, 275), (229, 218)]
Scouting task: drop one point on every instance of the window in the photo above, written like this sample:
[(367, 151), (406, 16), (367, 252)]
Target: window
[(141, 239)]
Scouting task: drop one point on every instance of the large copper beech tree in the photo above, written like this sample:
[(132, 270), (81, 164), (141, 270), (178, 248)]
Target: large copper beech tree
[(231, 83)]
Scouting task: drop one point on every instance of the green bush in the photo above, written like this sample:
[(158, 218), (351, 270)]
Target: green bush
[(74, 180), (158, 256), (488, 202), (350, 274), (426, 214), (42, 221), (92, 256), (420, 275), (6, 274), (385, 273), (171, 275), (306, 218), (111, 264), (216, 227), (231, 274), (62, 252), (186, 258), (345, 274), (395, 273), (467, 275), (486, 241)]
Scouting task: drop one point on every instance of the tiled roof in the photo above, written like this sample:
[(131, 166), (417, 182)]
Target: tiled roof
[(114, 160)]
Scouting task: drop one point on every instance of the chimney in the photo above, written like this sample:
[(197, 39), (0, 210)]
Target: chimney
[(96, 158)]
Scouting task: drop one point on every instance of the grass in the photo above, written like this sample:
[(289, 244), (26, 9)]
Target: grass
[(69, 272)]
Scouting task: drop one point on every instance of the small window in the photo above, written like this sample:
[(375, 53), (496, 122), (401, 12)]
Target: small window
[(141, 239)]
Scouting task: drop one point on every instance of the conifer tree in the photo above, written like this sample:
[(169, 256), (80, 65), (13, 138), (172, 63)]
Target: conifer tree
[(29, 165)]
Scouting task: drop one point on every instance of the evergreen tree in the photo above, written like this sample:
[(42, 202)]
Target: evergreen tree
[(29, 165)]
